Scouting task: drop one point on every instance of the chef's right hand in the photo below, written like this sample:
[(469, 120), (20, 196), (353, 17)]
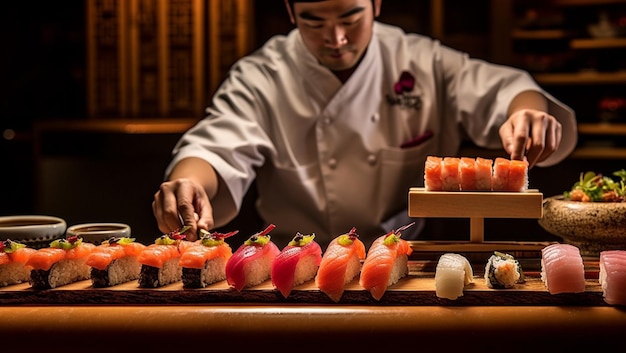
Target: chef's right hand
[(182, 202)]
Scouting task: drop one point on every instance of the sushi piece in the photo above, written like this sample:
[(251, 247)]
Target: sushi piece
[(386, 262), (63, 262), (251, 263), (484, 171), (503, 271), (612, 276), (13, 258), (297, 263), (205, 262), (160, 260), (510, 175), (562, 269), (115, 261), (450, 174), (432, 174), (341, 263), (452, 274), (467, 174)]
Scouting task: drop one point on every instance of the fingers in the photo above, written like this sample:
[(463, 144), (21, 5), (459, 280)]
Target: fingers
[(181, 203), (530, 134)]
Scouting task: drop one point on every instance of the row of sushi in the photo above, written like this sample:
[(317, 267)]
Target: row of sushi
[(562, 271), (210, 259), (171, 258), (475, 174)]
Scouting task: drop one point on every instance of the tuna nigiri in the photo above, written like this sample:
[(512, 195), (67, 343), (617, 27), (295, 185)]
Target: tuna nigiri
[(612, 276), (115, 261), (13, 258), (562, 269), (297, 263), (160, 260), (251, 263), (205, 262), (386, 262), (452, 274), (340, 264), (63, 262)]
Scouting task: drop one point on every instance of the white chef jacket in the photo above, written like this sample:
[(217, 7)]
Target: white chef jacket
[(327, 156)]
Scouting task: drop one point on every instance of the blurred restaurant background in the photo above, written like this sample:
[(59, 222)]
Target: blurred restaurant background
[(95, 93)]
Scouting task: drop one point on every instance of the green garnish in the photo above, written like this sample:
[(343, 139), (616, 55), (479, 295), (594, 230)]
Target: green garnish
[(66, 244), (120, 241), (301, 240), (597, 187), (261, 238), (348, 238), (10, 246)]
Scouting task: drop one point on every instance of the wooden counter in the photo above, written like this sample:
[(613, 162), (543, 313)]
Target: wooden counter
[(285, 327)]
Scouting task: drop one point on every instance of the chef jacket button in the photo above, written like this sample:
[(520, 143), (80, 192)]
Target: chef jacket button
[(375, 117), (332, 163), (371, 159)]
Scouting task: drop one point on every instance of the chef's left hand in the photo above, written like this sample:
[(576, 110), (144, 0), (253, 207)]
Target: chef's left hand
[(530, 134)]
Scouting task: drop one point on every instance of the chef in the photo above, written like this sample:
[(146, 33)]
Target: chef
[(333, 122)]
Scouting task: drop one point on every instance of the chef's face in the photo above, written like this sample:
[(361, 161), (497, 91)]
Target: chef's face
[(336, 32)]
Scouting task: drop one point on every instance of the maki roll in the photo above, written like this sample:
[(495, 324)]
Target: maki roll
[(115, 261), (63, 262), (160, 260), (503, 271), (13, 258), (205, 262)]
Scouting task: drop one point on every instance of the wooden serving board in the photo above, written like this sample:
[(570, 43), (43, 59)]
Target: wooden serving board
[(475, 205), (418, 289)]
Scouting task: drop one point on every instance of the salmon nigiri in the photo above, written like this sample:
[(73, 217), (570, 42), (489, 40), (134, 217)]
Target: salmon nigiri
[(386, 262), (341, 263), (251, 264), (63, 262), (115, 261), (205, 262), (13, 258), (297, 263), (159, 261)]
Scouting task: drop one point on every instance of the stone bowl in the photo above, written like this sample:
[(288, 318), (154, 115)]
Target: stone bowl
[(591, 226)]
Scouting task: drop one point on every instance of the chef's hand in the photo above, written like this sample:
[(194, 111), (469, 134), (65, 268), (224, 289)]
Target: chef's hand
[(182, 202), (530, 134)]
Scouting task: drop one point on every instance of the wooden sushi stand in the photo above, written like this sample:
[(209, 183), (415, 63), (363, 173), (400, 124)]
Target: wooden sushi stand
[(79, 318)]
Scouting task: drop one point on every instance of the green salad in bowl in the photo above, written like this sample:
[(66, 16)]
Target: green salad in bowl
[(591, 215)]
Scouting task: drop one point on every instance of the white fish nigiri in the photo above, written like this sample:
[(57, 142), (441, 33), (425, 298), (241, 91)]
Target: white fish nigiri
[(452, 274), (612, 276), (562, 269)]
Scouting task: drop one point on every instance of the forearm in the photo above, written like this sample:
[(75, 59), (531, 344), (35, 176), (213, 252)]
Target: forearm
[(528, 100), (198, 170)]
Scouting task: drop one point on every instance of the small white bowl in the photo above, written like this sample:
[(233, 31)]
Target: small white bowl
[(98, 232), (35, 231)]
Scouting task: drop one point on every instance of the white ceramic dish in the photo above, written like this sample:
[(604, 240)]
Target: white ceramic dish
[(32, 230), (98, 232)]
